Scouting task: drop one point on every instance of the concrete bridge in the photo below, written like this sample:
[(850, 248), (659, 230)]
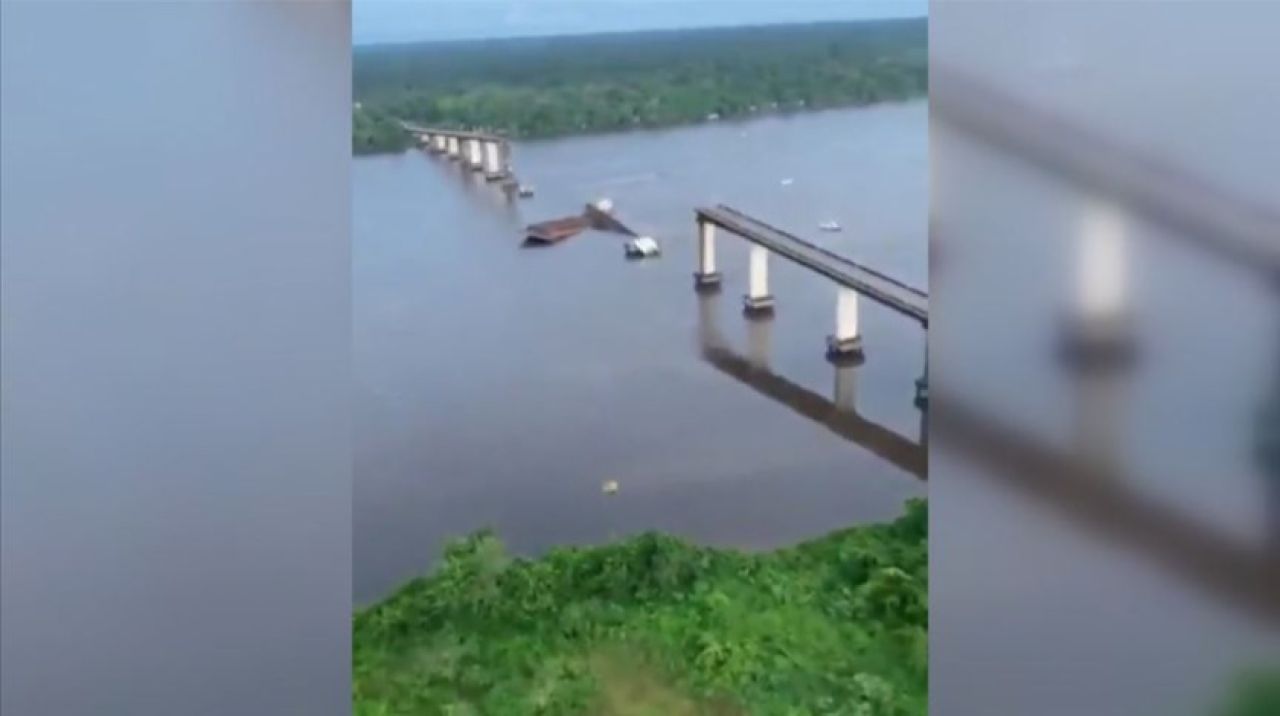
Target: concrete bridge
[(852, 279), (479, 151)]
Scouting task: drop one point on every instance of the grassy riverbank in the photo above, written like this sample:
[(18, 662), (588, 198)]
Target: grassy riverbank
[(541, 87), (654, 625)]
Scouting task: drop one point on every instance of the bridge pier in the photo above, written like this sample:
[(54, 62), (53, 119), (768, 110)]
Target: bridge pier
[(758, 301), (453, 149), (493, 162), (439, 143), (706, 277), (475, 155), (845, 345), (1098, 329)]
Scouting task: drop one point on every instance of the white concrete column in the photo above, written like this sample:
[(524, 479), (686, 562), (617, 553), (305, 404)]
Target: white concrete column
[(846, 383), (707, 248), (1101, 280), (846, 341), (492, 160), (441, 143), (759, 285), (474, 155), (707, 274), (846, 314), (758, 298), (453, 148)]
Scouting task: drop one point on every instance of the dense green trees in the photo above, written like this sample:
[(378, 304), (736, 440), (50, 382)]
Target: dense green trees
[(534, 87), (375, 131), (654, 625)]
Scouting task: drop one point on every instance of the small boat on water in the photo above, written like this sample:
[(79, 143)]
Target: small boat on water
[(829, 226), (642, 247), (787, 181), (524, 190)]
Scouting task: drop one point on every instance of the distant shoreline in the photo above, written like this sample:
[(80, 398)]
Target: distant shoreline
[(595, 84), (732, 120)]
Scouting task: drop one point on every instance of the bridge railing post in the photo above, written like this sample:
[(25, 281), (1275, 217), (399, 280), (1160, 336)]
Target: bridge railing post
[(706, 276), (846, 343)]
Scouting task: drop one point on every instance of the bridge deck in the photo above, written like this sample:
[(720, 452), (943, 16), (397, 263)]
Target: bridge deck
[(459, 133), (880, 288)]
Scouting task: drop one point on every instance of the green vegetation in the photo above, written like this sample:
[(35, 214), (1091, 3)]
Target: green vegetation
[(654, 625), (376, 132), (1256, 692), (538, 87)]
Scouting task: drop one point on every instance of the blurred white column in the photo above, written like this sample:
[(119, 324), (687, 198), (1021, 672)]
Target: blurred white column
[(1102, 270)]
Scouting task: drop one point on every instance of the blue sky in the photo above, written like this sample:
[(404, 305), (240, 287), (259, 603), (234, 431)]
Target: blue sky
[(376, 21)]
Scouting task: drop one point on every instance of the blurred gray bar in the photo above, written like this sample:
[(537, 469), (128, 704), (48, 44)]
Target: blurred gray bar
[(1237, 228), (175, 262)]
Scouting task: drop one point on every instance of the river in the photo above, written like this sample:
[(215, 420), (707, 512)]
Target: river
[(499, 386)]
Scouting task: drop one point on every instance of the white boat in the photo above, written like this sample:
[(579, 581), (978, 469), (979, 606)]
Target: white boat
[(642, 247), (525, 190), (829, 226), (787, 181)]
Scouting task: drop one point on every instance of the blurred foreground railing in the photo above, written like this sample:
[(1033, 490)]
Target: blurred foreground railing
[(1193, 208)]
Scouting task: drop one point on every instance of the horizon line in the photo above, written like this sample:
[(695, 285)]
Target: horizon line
[(458, 40)]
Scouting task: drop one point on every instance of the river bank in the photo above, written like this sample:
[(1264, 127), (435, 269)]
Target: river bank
[(657, 622), (374, 132)]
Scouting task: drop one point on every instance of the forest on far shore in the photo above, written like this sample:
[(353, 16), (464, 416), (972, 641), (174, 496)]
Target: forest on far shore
[(551, 86)]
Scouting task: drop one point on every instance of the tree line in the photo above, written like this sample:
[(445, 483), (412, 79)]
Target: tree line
[(540, 87)]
